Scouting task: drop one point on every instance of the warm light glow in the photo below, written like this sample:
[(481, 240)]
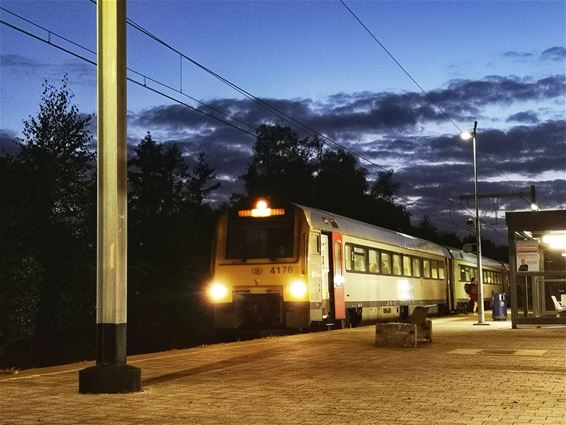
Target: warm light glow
[(555, 241), (298, 289), (338, 281), (466, 135), (217, 291), (261, 210), (404, 289)]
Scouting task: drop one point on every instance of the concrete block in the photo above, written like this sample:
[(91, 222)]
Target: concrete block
[(396, 335)]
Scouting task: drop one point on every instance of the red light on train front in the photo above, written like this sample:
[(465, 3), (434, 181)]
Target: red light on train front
[(261, 210)]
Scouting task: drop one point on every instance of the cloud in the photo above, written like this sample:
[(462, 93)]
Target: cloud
[(555, 54), (19, 63), (518, 55), (393, 131), (81, 72), (529, 117)]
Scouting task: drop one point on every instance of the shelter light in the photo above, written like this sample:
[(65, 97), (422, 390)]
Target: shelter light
[(555, 241), (534, 207), (261, 209)]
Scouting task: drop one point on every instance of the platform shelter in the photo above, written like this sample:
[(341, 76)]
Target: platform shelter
[(537, 261)]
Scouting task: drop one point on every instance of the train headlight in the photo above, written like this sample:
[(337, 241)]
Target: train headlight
[(217, 291), (298, 289)]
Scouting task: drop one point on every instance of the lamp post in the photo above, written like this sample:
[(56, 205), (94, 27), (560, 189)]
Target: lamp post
[(479, 274)]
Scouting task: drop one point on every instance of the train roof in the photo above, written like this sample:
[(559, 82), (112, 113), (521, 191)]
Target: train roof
[(462, 255), (327, 221)]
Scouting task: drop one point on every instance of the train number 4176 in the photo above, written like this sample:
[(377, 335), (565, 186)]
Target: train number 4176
[(281, 269)]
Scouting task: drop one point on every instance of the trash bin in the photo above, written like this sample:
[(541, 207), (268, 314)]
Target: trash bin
[(498, 307)]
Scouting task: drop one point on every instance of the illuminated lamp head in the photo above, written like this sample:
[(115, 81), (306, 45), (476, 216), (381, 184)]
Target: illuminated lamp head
[(217, 291), (298, 289)]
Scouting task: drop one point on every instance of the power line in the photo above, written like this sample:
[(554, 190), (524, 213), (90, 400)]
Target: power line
[(266, 105), (427, 95), (145, 77), (144, 85), (430, 99)]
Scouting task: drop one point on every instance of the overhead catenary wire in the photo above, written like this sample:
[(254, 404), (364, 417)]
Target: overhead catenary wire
[(426, 94), (51, 43), (283, 115), (145, 77)]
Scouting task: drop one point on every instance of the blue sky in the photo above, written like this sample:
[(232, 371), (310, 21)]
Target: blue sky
[(499, 62)]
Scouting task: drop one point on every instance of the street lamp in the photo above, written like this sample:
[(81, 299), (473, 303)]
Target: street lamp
[(472, 136)]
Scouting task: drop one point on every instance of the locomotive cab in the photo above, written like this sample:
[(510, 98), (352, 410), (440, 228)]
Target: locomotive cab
[(259, 271)]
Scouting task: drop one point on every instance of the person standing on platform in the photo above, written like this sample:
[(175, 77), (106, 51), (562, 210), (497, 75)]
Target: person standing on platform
[(473, 294)]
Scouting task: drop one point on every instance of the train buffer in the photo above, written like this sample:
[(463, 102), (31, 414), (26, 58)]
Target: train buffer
[(405, 334)]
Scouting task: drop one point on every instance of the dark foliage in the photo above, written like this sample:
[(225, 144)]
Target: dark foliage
[(48, 265), (48, 230), (283, 165), (169, 247), (48, 249)]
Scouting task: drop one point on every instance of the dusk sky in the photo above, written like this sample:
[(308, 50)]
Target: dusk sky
[(502, 63)]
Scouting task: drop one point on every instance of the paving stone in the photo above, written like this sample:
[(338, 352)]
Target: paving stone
[(329, 378)]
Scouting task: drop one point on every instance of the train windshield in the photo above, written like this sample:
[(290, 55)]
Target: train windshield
[(266, 237)]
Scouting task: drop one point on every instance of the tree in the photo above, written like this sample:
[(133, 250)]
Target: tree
[(52, 210), (199, 187), (340, 178), (169, 243), (384, 187), (283, 165)]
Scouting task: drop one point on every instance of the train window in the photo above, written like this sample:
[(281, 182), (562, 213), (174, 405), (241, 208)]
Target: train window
[(385, 263), (373, 261), (397, 270), (348, 256), (416, 267), (360, 259), (434, 269), (441, 270), (270, 237), (463, 277), (426, 268), (497, 277), (407, 265)]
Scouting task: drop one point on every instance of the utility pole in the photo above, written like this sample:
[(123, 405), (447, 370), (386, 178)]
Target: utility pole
[(530, 193), (111, 373)]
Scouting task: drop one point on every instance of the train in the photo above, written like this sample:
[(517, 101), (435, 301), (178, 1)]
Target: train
[(281, 265)]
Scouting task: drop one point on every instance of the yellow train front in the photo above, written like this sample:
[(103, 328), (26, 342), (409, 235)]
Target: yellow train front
[(290, 266), (259, 274)]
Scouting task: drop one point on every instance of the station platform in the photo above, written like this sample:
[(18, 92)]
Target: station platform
[(468, 375)]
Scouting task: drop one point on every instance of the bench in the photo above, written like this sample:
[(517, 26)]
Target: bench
[(558, 306), (405, 334)]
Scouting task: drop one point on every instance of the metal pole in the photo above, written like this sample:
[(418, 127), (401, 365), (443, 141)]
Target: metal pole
[(481, 318), (111, 373)]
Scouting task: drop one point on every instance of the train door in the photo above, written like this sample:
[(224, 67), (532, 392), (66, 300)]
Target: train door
[(451, 285), (335, 276), (325, 275)]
